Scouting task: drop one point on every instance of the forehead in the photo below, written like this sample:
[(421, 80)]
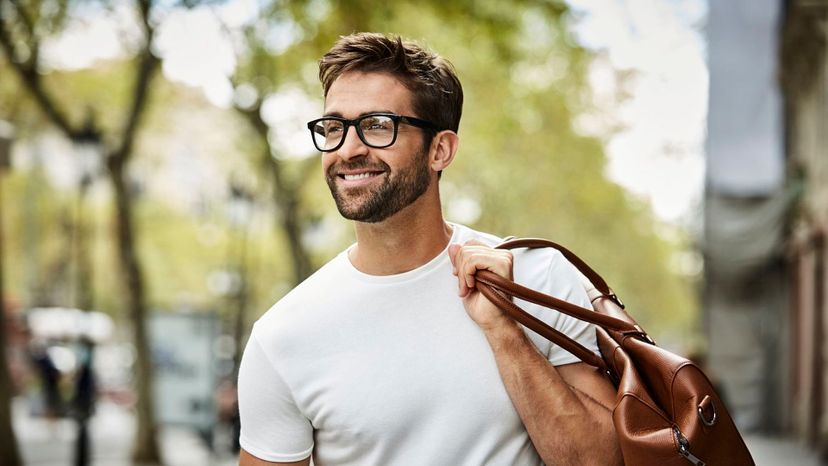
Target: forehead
[(355, 93)]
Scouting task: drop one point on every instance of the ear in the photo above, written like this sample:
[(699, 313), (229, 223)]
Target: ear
[(443, 148)]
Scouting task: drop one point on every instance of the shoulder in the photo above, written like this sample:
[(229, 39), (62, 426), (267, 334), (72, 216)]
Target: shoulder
[(463, 233), (547, 270), (542, 261), (537, 257), (298, 307), (538, 268)]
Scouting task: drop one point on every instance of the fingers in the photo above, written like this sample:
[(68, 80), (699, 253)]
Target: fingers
[(473, 256), (453, 251)]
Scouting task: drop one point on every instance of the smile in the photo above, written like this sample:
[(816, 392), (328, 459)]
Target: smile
[(360, 176)]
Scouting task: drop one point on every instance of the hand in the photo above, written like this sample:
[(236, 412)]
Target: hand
[(468, 259)]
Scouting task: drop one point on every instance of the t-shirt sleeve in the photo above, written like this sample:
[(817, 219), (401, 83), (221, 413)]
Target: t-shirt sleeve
[(549, 271), (272, 426), (571, 290)]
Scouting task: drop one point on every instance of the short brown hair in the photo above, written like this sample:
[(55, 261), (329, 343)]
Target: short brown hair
[(437, 93)]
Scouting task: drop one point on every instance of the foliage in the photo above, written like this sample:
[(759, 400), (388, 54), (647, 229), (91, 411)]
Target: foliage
[(520, 158)]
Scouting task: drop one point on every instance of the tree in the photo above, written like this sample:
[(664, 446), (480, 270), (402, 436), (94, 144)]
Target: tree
[(8, 442), (263, 72), (23, 28), (521, 159)]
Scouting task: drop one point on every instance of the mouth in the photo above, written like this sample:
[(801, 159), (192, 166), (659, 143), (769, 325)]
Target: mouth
[(359, 176)]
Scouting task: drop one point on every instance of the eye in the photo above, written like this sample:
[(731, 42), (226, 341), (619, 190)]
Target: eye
[(377, 124), (331, 127)]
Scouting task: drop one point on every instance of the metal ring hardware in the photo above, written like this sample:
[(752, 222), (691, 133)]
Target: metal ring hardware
[(705, 421)]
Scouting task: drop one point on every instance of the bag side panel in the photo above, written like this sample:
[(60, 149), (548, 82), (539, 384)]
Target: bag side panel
[(720, 443)]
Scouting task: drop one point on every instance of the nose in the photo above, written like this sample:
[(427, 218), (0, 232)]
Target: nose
[(352, 146)]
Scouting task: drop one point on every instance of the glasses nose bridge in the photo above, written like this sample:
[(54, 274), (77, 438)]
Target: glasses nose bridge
[(344, 145)]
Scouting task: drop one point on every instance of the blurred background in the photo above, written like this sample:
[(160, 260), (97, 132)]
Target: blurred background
[(159, 191)]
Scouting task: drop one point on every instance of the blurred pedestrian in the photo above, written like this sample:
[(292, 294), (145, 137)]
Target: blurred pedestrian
[(83, 400), (227, 405), (49, 377)]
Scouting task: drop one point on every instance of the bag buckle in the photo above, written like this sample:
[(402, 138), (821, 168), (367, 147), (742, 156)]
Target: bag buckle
[(614, 297), (644, 335), (640, 334)]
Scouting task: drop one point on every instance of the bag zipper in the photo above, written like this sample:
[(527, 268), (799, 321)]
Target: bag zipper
[(684, 448)]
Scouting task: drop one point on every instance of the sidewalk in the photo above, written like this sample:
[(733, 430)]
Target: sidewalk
[(770, 451), (112, 429)]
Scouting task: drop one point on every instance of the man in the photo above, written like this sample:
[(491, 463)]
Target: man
[(388, 355)]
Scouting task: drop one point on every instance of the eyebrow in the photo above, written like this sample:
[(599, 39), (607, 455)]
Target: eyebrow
[(339, 115)]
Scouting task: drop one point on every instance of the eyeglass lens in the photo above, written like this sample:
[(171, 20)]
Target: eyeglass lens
[(374, 130)]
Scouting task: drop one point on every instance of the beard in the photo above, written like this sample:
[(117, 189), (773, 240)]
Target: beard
[(375, 204)]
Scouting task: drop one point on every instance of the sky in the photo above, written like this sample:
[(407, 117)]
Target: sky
[(659, 155), (658, 44)]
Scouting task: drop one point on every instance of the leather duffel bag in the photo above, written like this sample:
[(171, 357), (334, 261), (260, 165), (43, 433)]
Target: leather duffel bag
[(666, 411)]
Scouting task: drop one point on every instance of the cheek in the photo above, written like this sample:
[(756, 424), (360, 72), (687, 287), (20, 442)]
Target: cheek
[(327, 161)]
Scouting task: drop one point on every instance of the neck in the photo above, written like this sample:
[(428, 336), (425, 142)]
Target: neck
[(402, 242)]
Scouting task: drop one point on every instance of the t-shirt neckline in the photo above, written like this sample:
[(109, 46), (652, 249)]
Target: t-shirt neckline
[(437, 261)]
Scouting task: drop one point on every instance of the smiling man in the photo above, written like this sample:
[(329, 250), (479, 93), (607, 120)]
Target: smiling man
[(388, 355)]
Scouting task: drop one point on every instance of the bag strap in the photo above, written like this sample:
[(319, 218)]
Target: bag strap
[(596, 280), (513, 310), (498, 290)]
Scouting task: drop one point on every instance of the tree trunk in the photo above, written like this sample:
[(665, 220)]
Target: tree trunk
[(146, 442), (287, 201), (8, 443), (285, 197), (27, 67)]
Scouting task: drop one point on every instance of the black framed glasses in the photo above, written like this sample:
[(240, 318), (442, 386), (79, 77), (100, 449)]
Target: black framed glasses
[(377, 130)]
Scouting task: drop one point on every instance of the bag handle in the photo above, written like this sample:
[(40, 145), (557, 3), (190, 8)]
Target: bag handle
[(511, 288), (513, 310), (497, 289), (593, 276)]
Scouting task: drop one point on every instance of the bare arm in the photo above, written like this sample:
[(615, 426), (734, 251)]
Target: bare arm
[(564, 408), (246, 459)]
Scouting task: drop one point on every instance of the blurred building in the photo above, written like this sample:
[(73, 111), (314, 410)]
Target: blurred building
[(805, 82), (766, 213)]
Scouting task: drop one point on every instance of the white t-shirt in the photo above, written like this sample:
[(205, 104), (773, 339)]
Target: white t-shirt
[(390, 370)]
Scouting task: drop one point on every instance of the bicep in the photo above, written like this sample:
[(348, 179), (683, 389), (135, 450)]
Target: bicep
[(246, 459)]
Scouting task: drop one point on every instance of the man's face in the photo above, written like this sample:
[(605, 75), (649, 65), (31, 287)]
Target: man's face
[(368, 184)]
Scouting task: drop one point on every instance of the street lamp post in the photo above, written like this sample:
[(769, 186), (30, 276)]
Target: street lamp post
[(88, 153), (88, 156)]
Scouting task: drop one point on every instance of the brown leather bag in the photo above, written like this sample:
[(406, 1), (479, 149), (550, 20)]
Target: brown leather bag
[(666, 411)]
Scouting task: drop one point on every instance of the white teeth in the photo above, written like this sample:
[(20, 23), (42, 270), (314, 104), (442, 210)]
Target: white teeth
[(360, 176)]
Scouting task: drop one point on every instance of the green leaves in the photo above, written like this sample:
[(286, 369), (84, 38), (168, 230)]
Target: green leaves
[(522, 168)]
